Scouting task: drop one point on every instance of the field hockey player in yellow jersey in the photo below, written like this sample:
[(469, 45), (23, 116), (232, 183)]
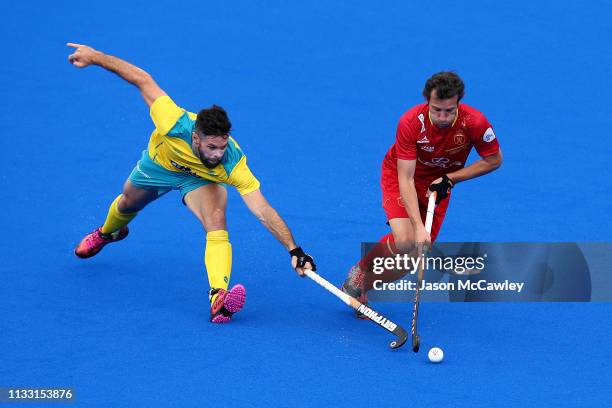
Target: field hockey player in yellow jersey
[(194, 154)]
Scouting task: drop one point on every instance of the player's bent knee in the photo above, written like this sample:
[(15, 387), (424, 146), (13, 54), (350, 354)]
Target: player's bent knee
[(127, 205), (124, 205), (214, 220)]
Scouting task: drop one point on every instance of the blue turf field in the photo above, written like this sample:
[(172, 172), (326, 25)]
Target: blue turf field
[(314, 92)]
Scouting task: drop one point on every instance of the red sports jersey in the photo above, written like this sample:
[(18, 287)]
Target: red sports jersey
[(438, 151)]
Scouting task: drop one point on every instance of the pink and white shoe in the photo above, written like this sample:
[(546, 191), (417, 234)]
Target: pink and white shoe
[(94, 242), (226, 303)]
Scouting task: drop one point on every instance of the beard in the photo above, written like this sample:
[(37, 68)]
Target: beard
[(210, 164)]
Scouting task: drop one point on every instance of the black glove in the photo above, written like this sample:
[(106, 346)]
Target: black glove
[(302, 258), (442, 188)]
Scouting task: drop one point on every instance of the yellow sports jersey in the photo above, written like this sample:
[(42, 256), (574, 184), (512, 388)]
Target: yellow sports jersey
[(170, 147)]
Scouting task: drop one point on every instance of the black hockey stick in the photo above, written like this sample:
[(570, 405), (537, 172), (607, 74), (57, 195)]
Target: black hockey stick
[(373, 315)]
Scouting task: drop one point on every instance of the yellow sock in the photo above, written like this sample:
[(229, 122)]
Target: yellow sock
[(116, 220), (218, 259)]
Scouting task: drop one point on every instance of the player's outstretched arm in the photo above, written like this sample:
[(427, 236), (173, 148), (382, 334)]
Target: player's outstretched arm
[(268, 216), (84, 56)]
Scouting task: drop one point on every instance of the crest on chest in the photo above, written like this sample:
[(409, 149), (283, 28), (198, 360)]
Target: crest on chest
[(459, 138)]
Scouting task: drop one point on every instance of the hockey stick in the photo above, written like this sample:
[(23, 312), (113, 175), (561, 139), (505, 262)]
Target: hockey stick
[(431, 205), (373, 315)]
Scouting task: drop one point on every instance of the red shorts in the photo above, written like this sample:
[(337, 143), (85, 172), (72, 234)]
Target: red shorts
[(394, 205)]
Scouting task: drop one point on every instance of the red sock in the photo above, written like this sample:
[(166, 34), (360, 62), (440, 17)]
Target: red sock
[(384, 248)]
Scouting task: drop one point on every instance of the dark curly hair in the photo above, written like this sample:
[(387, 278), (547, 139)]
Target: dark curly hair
[(213, 122), (447, 85)]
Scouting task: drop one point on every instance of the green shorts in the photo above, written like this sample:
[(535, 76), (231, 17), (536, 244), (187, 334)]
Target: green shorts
[(151, 176)]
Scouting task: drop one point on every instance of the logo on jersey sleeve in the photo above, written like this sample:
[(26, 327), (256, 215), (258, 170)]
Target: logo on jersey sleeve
[(422, 119), (489, 135)]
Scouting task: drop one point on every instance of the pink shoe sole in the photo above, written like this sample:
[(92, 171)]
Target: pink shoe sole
[(234, 302), (221, 319)]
